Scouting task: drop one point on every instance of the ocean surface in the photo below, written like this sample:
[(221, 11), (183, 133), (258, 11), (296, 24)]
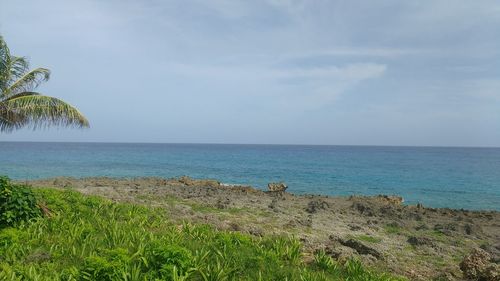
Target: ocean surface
[(466, 178)]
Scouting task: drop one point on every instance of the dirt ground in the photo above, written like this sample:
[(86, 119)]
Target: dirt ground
[(415, 241)]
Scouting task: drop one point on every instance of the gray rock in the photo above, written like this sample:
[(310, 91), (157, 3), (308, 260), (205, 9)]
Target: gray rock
[(255, 231), (274, 205), (361, 248), (446, 229), (491, 272), (222, 203), (306, 221), (315, 205), (277, 186), (341, 253), (363, 208), (391, 199), (420, 241), (477, 266), (187, 181)]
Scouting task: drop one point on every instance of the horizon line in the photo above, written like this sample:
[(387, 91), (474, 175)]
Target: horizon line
[(254, 144)]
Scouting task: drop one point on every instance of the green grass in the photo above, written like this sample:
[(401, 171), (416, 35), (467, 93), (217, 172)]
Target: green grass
[(439, 236), (90, 238), (392, 229)]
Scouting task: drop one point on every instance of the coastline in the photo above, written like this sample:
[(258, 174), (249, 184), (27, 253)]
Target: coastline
[(414, 241), (429, 175)]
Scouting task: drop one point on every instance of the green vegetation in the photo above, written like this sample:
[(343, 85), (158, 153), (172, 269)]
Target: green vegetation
[(438, 235), (17, 203), (324, 261), (90, 238), (21, 106), (393, 229)]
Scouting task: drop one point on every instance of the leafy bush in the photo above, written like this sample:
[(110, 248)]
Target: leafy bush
[(108, 266), (17, 203), (98, 268), (168, 260)]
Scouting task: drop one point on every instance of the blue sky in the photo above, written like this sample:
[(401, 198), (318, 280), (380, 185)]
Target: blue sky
[(267, 71)]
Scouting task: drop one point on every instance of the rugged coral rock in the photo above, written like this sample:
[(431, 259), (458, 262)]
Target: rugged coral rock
[(277, 186), (194, 182), (391, 199), (446, 276), (420, 241), (361, 248), (363, 208), (358, 246), (62, 182), (492, 273), (222, 203), (494, 250), (341, 253), (315, 205), (477, 266), (306, 221), (446, 229), (274, 204)]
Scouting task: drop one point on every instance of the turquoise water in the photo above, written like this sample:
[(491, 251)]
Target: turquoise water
[(439, 177)]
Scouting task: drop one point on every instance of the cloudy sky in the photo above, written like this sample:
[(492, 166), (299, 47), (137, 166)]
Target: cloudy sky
[(267, 71)]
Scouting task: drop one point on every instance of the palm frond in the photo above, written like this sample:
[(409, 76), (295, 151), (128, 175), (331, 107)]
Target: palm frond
[(37, 111), (4, 53), (18, 95), (28, 82), (4, 64), (11, 67), (18, 67), (10, 120), (20, 106)]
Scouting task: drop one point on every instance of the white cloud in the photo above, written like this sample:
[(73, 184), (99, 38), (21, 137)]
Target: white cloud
[(355, 71), (484, 89), (230, 9), (294, 88)]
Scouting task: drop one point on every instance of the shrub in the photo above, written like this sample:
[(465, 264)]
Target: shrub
[(108, 265), (17, 203), (169, 260), (99, 268)]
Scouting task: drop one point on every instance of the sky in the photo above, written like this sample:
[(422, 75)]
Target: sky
[(266, 71)]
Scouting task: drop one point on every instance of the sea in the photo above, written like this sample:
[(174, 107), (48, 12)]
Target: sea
[(451, 177)]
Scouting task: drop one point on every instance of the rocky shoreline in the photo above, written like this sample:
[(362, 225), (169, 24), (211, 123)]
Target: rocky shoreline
[(415, 241)]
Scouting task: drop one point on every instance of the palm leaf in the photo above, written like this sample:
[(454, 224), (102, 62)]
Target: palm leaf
[(11, 67), (29, 81), (4, 64), (10, 120), (4, 53), (18, 66), (34, 110)]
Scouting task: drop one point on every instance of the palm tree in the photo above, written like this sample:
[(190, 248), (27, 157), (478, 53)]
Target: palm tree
[(21, 106)]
